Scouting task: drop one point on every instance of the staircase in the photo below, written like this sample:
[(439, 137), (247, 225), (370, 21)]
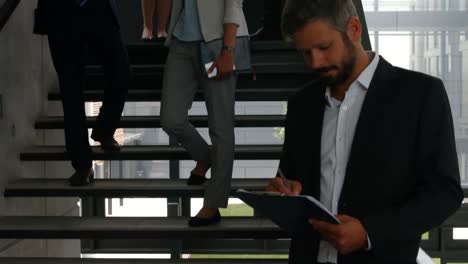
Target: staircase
[(278, 72)]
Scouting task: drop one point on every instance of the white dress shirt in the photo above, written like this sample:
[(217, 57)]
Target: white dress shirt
[(339, 125)]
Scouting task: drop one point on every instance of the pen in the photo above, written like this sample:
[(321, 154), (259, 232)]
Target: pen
[(285, 181)]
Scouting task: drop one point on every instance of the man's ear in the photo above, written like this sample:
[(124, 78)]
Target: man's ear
[(354, 29)]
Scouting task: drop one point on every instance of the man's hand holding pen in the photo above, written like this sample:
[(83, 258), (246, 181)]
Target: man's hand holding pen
[(284, 186)]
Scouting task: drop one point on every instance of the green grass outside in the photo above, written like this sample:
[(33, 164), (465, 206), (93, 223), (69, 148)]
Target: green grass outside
[(237, 210), (425, 236)]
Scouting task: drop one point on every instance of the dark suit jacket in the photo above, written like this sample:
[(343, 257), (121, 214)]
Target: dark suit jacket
[(57, 15), (402, 176)]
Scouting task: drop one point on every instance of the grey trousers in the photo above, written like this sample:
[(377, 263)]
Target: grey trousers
[(183, 76)]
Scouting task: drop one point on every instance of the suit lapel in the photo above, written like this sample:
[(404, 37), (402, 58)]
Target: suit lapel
[(313, 108), (372, 112)]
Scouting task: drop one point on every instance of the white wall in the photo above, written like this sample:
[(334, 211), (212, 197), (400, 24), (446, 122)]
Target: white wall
[(26, 75)]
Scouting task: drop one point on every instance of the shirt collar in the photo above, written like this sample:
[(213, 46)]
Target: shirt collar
[(331, 102), (366, 76)]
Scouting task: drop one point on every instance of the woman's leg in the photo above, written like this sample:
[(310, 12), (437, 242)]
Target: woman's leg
[(163, 9), (180, 84), (220, 103), (147, 8)]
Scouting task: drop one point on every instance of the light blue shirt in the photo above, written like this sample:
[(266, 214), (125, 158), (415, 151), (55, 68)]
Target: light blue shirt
[(339, 124), (188, 24)]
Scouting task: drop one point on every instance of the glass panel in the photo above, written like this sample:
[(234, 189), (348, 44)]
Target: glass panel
[(460, 233), (130, 169), (136, 207), (198, 108), (126, 256), (388, 5), (152, 136)]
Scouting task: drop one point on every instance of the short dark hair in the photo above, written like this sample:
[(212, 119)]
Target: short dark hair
[(298, 13)]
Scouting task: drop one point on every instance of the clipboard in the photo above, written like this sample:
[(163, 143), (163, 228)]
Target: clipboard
[(291, 213)]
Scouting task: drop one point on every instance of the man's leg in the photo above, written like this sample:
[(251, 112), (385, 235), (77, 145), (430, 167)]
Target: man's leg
[(107, 43), (67, 51), (272, 20)]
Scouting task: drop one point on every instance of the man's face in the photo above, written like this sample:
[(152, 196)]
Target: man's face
[(326, 51)]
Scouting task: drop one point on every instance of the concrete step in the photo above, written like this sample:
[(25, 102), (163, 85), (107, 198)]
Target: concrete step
[(155, 121), (53, 227), (118, 188), (58, 153)]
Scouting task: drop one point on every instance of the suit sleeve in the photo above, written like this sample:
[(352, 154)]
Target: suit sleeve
[(233, 13), (439, 193)]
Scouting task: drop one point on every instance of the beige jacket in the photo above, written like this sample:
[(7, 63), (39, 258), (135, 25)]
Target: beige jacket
[(213, 14)]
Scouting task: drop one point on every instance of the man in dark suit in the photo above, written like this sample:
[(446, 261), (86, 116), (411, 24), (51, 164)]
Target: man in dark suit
[(73, 28), (373, 142)]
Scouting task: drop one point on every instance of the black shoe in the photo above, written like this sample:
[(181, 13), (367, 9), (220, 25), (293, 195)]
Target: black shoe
[(82, 177), (195, 179), (198, 221), (107, 144)]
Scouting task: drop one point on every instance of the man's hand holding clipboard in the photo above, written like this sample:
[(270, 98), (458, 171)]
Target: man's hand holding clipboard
[(348, 236)]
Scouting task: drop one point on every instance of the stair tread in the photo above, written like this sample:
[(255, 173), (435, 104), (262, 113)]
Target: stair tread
[(58, 153), (68, 227), (256, 45), (118, 188), (151, 79), (137, 261), (282, 68), (74, 227), (145, 95), (155, 121)]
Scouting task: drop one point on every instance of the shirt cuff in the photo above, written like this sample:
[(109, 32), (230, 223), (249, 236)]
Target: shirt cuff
[(369, 245)]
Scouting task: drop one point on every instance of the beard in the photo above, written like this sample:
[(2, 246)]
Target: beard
[(344, 69)]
